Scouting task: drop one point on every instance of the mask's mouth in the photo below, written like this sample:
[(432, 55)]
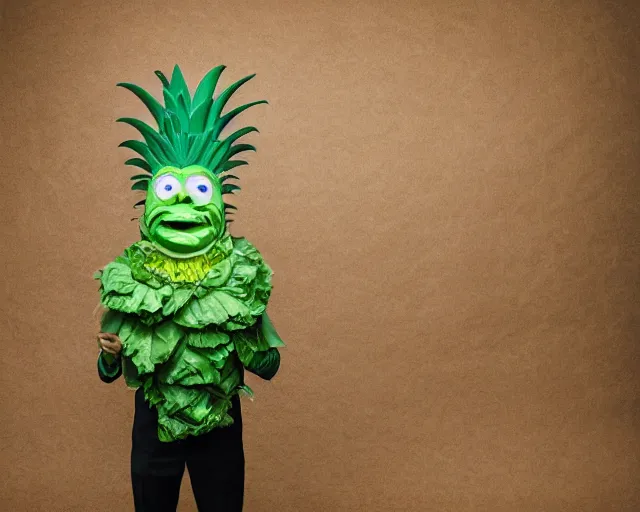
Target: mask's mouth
[(182, 229), (180, 225)]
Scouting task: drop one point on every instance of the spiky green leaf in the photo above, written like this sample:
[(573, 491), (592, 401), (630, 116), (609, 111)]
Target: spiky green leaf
[(172, 105), (207, 85), (214, 153), (156, 109), (179, 87), (139, 162), (195, 143), (232, 164), (157, 144), (170, 133), (140, 185), (239, 148), (143, 150), (184, 148), (219, 156), (203, 151), (229, 188), (163, 79), (140, 177), (198, 120), (225, 119), (241, 133), (184, 107), (213, 120)]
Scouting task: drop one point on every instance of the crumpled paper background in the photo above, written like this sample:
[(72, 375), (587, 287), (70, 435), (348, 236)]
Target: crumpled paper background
[(448, 195)]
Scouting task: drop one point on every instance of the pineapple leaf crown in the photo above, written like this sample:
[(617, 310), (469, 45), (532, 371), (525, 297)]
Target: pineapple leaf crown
[(189, 129)]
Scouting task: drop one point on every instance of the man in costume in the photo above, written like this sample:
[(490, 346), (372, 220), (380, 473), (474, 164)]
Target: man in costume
[(185, 307)]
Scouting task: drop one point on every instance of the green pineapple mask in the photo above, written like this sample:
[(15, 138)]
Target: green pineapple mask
[(184, 161)]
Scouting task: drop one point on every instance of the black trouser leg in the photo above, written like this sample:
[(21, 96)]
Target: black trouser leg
[(156, 467), (216, 466)]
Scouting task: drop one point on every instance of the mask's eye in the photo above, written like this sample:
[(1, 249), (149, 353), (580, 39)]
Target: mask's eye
[(199, 189), (166, 186)]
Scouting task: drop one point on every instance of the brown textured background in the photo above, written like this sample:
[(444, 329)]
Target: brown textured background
[(448, 193)]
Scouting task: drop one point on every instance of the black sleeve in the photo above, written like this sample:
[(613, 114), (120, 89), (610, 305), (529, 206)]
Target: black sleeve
[(108, 372)]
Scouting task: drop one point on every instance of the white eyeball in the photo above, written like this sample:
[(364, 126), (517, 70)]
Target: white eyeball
[(199, 189), (166, 186)]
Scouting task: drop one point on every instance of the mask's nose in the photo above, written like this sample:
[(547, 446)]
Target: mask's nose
[(184, 197)]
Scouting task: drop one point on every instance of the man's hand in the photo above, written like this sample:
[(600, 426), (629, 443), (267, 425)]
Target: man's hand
[(110, 343)]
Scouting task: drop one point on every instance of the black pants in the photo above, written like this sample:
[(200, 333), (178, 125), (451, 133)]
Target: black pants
[(215, 462)]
